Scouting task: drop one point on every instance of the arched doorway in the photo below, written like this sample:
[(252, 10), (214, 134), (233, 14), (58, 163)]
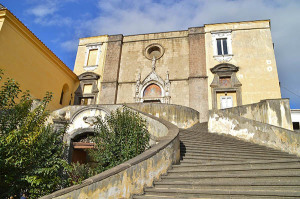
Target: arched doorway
[(80, 145)]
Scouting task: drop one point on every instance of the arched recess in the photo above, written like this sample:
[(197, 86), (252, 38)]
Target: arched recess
[(155, 83), (152, 92), (80, 143), (81, 126), (225, 83), (65, 95)]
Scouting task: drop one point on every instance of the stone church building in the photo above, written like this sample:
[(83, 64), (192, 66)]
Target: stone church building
[(210, 67)]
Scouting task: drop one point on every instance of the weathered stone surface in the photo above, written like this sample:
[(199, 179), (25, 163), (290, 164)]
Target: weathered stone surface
[(227, 122), (181, 116), (109, 87), (276, 112)]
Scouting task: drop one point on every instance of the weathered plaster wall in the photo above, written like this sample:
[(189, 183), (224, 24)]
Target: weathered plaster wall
[(181, 116), (254, 131), (132, 176), (273, 111), (253, 53)]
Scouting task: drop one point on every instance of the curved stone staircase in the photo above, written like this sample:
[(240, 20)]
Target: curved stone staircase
[(218, 166)]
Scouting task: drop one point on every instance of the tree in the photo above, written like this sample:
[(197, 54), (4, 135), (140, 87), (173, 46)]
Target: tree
[(30, 151), (119, 137)]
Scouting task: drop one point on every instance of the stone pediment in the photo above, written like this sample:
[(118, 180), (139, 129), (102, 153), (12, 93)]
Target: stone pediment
[(224, 68), (153, 76)]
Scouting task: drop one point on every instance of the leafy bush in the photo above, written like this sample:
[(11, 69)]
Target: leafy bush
[(78, 172), (121, 136), (30, 151)]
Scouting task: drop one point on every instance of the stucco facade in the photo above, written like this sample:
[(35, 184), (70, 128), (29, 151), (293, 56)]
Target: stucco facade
[(36, 68), (202, 68)]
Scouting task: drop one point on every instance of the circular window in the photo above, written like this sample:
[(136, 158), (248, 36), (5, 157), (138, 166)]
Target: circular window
[(154, 50)]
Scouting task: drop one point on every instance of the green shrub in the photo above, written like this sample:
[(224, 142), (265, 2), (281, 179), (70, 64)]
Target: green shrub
[(121, 136), (30, 151), (78, 172)]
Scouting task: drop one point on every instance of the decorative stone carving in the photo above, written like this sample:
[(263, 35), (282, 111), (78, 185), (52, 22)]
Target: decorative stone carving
[(153, 78), (91, 120)]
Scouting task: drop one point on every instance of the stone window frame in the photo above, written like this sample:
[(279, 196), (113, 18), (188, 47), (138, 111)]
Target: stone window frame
[(224, 34), (225, 70), (161, 48), (85, 79), (89, 47)]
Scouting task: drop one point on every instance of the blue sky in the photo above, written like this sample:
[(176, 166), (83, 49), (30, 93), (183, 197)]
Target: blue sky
[(60, 23)]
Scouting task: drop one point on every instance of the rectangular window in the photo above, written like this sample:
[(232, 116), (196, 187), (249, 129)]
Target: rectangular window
[(87, 88), (222, 46), (92, 59), (226, 102)]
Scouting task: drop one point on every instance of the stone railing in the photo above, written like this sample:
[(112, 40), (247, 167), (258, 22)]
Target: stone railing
[(133, 175), (181, 116), (276, 112), (229, 122)]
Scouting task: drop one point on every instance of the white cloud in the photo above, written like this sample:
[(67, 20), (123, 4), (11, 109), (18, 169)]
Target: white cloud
[(70, 45), (42, 10), (46, 12)]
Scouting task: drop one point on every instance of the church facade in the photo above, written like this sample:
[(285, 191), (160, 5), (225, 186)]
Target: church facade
[(210, 67)]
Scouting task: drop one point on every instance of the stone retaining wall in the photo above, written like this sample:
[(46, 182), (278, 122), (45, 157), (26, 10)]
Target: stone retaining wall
[(227, 122), (181, 116), (276, 112)]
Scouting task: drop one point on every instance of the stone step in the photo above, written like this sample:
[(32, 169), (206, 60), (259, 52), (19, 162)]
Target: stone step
[(177, 187), (210, 158), (207, 137), (218, 143), (229, 150), (260, 181), (198, 193), (194, 152), (237, 174), (226, 146), (194, 155), (228, 163), (240, 167), (184, 196)]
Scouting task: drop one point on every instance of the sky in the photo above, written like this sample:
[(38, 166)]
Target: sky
[(60, 24)]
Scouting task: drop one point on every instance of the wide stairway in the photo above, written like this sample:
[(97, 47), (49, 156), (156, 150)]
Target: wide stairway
[(217, 166)]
